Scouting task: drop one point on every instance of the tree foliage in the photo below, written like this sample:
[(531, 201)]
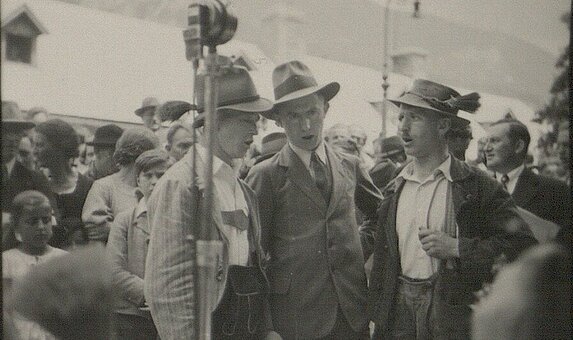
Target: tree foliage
[(556, 112)]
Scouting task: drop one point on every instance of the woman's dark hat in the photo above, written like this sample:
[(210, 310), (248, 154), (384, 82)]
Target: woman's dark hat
[(294, 80), (106, 135), (440, 98), (235, 91), (12, 117)]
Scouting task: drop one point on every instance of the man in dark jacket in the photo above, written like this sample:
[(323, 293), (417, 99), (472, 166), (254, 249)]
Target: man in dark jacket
[(506, 151), (441, 226)]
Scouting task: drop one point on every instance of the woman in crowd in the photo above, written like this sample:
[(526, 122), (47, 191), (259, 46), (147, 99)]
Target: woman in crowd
[(127, 246), (55, 149), (115, 193), (31, 228)]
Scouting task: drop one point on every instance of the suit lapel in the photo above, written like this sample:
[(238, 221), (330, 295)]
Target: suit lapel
[(338, 179), (525, 188), (299, 176)]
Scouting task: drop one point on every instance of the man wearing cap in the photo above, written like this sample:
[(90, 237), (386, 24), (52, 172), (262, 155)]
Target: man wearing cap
[(103, 143), (147, 113), (16, 178), (308, 196), (174, 212), (442, 224)]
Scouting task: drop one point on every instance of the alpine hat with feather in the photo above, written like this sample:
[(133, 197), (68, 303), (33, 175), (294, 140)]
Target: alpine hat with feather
[(439, 98)]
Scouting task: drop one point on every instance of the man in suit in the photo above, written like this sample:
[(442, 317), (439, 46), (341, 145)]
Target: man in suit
[(442, 224), (308, 196), (175, 212), (506, 151)]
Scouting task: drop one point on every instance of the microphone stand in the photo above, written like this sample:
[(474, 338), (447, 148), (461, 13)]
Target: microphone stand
[(207, 244)]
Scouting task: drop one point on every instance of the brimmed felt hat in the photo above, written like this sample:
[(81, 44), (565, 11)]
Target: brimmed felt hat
[(149, 102), (235, 91), (390, 146), (12, 117), (294, 80), (106, 135), (439, 98)]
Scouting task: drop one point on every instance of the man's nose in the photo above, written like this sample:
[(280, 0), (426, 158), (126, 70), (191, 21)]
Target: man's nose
[(306, 123)]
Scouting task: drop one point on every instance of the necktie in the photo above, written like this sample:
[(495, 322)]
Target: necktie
[(504, 181), (320, 176)]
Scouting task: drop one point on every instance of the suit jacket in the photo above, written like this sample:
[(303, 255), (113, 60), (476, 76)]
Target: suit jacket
[(488, 225), (316, 257), (546, 197), (174, 211)]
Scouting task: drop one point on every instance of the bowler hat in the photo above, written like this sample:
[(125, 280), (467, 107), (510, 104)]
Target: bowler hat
[(294, 80), (149, 102), (12, 117), (439, 98), (106, 135), (235, 91), (390, 146)]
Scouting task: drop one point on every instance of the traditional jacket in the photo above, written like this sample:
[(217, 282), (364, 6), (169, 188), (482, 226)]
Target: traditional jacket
[(488, 226)]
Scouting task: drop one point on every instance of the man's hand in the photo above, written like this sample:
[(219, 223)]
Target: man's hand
[(438, 244), (272, 335), (97, 232)]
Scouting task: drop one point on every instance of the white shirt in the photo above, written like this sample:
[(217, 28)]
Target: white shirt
[(231, 198), (513, 176), (305, 155), (10, 166), (422, 205)]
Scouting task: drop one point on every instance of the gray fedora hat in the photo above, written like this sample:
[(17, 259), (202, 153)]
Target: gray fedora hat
[(236, 91), (149, 102), (294, 80)]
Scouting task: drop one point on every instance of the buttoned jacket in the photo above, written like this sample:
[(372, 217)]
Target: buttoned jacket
[(316, 256)]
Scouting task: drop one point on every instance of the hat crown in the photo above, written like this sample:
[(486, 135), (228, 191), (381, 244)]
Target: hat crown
[(107, 134), (234, 86), (150, 101), (11, 110), (430, 89), (290, 77)]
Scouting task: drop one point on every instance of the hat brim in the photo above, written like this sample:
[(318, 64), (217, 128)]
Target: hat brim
[(139, 111), (18, 124), (412, 100), (260, 106), (328, 91)]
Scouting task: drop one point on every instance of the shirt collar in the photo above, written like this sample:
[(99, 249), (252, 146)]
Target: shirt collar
[(513, 174), (444, 168), (305, 155), (220, 168), (141, 207), (10, 166)]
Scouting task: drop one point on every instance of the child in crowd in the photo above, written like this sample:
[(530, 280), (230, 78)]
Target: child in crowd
[(127, 246), (31, 228)]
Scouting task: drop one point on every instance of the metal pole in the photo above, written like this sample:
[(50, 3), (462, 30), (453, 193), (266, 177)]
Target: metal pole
[(385, 83), (207, 245)]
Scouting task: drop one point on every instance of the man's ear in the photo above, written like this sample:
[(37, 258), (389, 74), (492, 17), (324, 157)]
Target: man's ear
[(444, 125), (168, 147), (519, 147)]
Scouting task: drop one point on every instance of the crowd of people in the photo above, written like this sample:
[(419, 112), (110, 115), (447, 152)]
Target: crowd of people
[(320, 239)]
